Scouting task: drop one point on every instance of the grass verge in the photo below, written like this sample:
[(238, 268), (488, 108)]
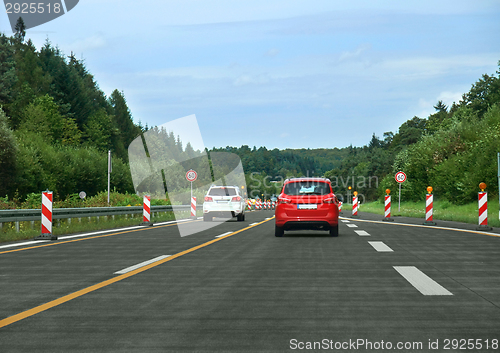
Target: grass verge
[(443, 210)]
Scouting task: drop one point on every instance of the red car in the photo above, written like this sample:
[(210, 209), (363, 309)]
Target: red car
[(307, 203)]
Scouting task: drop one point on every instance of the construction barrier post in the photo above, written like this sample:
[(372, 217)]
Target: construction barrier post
[(46, 232), (387, 207), (429, 204), (146, 211), (429, 201), (340, 206), (355, 204), (483, 208), (193, 207)]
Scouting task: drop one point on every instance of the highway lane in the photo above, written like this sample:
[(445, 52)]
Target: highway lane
[(253, 292)]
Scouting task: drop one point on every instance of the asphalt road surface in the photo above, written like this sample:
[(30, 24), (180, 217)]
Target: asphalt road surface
[(379, 286)]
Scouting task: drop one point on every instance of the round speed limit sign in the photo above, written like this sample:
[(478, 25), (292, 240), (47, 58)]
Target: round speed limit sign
[(191, 175), (400, 177)]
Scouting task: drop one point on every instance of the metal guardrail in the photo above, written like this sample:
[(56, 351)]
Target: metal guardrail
[(65, 213)]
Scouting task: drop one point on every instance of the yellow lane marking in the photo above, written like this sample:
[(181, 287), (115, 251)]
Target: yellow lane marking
[(424, 226), (30, 312), (88, 238)]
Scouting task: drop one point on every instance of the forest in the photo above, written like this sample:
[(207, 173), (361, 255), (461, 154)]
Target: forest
[(56, 126)]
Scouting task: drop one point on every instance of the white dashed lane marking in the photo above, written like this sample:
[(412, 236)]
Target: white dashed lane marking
[(218, 236), (344, 220), (422, 282), (352, 225), (380, 246), (362, 233), (142, 264)]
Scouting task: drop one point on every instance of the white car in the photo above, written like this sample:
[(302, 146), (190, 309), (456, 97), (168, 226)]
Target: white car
[(222, 201)]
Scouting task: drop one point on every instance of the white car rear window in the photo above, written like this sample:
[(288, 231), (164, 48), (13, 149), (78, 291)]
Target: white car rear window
[(222, 192)]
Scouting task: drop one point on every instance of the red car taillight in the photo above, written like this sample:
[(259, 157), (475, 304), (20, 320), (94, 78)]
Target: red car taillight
[(208, 199), (329, 200), (284, 200), (236, 198)]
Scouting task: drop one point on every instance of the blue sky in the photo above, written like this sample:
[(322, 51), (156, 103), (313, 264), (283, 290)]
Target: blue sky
[(281, 74)]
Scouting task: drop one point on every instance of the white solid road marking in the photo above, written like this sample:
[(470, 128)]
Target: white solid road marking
[(422, 282), (218, 236), (254, 223), (380, 246), (96, 233), (344, 220), (24, 243), (142, 264), (429, 227), (362, 233), (352, 225)]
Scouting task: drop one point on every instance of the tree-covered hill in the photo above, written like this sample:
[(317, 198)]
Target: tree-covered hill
[(56, 127), (452, 150)]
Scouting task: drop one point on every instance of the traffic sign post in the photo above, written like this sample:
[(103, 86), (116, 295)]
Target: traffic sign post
[(400, 178), (191, 176)]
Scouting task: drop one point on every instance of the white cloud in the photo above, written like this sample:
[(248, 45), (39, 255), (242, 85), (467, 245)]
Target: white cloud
[(251, 79), (82, 45), (272, 52), (346, 55)]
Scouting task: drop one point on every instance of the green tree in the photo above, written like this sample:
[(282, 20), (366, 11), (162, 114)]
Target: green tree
[(8, 153), (42, 116), (8, 76), (20, 30), (97, 130), (122, 120)]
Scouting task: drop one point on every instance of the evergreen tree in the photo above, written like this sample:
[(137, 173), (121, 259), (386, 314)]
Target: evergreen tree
[(8, 152), (20, 30), (8, 76)]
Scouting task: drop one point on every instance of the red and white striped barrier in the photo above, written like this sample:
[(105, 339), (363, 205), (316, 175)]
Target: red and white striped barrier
[(429, 205), (264, 205), (355, 205), (249, 204), (193, 206), (268, 205), (146, 209), (340, 206), (387, 209), (483, 209), (47, 216), (258, 205)]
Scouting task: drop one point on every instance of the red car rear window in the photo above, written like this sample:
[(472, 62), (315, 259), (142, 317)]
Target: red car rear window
[(307, 188)]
